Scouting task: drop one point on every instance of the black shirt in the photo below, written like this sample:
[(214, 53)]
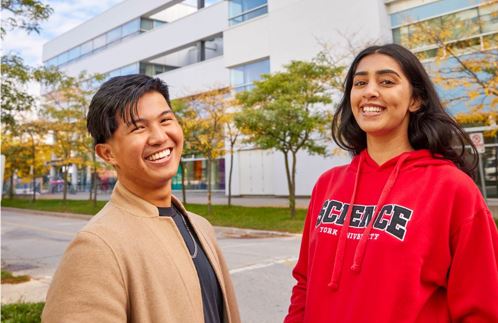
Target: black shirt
[(212, 300)]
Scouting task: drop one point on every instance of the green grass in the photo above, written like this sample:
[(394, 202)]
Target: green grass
[(70, 206), (22, 312), (9, 278), (262, 218)]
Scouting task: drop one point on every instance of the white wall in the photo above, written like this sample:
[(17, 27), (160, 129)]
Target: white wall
[(114, 17), (204, 23), (293, 30), (262, 172), (197, 78)]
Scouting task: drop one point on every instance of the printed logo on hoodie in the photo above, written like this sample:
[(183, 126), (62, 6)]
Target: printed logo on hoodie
[(391, 219)]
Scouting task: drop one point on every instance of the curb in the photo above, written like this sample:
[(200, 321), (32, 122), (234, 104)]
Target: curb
[(58, 214)]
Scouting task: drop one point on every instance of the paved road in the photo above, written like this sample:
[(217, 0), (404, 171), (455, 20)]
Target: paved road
[(260, 267)]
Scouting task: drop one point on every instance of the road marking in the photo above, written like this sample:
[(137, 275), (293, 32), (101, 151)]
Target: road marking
[(262, 265), (38, 228)]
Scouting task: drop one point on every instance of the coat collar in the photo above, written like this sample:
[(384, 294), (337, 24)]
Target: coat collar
[(124, 199)]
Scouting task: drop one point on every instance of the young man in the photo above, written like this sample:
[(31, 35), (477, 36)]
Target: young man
[(143, 257)]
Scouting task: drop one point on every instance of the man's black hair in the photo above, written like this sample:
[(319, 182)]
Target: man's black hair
[(119, 97)]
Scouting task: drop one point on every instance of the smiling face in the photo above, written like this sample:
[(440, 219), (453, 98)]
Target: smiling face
[(146, 154), (381, 98)]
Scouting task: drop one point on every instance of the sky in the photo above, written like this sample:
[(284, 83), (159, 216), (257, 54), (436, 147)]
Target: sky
[(66, 15)]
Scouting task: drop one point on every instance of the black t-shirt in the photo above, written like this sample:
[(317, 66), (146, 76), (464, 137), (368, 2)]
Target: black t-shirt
[(212, 300)]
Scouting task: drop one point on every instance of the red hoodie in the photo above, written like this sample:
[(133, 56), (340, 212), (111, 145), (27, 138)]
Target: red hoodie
[(429, 255)]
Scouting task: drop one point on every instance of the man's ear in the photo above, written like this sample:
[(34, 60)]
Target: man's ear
[(415, 104), (104, 151)]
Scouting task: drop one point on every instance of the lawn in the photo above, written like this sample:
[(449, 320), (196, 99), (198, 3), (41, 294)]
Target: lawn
[(22, 312), (261, 218), (9, 278)]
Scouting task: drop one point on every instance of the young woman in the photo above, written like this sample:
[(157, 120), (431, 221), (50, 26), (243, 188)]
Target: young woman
[(401, 234)]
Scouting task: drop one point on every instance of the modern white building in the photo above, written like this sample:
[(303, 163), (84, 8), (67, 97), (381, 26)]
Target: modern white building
[(198, 45)]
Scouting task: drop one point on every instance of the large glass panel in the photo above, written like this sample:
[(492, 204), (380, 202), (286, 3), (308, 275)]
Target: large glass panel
[(129, 69), (238, 7), (242, 77), (463, 24), (196, 175), (146, 24), (73, 53), (489, 18), (490, 41), (63, 58), (213, 47), (131, 27), (242, 10), (99, 42), (113, 35), (86, 47), (208, 3)]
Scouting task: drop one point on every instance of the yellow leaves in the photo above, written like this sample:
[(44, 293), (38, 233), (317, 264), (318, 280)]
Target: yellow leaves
[(473, 94)]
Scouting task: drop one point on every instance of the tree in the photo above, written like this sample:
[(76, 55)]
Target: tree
[(232, 133), (39, 152), (23, 14), (284, 111), (185, 116), (15, 74), (463, 62), (26, 152), (66, 108), (205, 124), (20, 15)]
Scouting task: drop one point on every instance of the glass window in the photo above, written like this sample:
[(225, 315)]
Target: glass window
[(157, 23), (113, 35), (243, 76), (73, 53), (131, 27), (52, 62), (242, 10), (114, 73), (129, 69), (489, 18), (213, 47), (463, 24), (86, 47), (146, 24), (208, 3), (63, 58), (490, 41), (99, 42)]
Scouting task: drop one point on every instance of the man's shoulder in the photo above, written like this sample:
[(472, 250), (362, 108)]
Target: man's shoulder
[(110, 221)]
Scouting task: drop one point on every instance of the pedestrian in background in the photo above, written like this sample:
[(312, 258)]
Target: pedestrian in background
[(143, 257), (402, 233)]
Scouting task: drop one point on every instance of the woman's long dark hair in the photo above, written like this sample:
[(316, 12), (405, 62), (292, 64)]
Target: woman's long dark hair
[(430, 127)]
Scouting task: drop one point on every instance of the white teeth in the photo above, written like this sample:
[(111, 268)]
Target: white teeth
[(159, 155), (372, 109)]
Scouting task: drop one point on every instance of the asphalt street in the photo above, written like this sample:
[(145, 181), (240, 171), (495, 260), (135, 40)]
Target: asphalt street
[(260, 267)]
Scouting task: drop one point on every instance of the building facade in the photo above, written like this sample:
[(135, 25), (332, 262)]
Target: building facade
[(198, 45)]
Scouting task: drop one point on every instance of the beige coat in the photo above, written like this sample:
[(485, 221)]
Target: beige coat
[(128, 264)]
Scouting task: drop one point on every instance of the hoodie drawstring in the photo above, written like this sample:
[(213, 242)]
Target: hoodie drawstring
[(362, 244), (339, 254)]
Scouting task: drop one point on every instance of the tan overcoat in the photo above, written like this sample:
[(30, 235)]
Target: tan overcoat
[(128, 264)]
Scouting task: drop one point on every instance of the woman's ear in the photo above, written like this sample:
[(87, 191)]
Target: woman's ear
[(104, 151), (415, 104)]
